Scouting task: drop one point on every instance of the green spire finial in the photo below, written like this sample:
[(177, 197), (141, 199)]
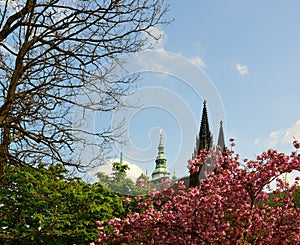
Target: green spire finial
[(160, 137), (161, 146)]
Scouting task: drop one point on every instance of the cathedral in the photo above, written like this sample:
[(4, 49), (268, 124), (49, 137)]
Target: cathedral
[(204, 140)]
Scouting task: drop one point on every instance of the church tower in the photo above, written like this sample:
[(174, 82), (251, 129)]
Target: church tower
[(160, 172), (221, 139), (203, 142), (204, 139)]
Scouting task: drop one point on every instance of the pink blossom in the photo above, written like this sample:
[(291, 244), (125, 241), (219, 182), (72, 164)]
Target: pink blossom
[(296, 144), (127, 199), (230, 206)]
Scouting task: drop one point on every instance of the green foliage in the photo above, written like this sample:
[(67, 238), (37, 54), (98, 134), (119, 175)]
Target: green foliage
[(120, 183), (296, 197), (282, 196), (120, 168), (43, 206)]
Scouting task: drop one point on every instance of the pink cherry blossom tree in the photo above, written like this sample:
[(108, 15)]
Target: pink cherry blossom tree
[(233, 205)]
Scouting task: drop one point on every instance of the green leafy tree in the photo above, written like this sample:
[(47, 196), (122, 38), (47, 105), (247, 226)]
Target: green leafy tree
[(118, 180), (296, 196), (43, 206), (120, 183)]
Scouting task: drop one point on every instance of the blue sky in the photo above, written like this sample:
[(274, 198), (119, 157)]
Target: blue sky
[(248, 59)]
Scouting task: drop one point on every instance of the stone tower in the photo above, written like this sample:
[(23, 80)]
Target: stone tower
[(221, 139), (203, 141)]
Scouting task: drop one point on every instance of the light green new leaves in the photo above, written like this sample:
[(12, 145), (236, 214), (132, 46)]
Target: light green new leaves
[(43, 206)]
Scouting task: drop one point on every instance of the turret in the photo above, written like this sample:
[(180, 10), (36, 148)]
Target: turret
[(160, 172)]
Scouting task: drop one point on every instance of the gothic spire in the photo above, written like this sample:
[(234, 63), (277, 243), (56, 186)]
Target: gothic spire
[(221, 141), (203, 142), (205, 137)]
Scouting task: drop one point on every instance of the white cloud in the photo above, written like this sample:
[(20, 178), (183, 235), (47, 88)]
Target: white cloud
[(242, 69), (133, 173), (156, 37), (285, 137), (198, 61), (281, 137), (291, 133), (274, 138), (290, 178)]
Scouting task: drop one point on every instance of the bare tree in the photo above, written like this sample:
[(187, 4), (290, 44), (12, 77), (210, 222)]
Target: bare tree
[(51, 50)]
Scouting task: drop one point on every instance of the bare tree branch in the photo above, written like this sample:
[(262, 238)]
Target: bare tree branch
[(53, 50)]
